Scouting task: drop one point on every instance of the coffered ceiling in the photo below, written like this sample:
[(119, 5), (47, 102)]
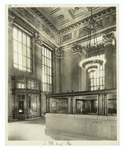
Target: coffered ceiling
[(62, 17)]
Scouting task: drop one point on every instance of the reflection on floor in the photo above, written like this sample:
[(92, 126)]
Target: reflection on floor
[(29, 130), (34, 130)]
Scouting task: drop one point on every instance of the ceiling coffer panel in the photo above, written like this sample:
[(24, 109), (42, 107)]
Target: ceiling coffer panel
[(62, 19)]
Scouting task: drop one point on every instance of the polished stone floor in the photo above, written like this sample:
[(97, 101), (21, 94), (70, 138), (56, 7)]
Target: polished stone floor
[(29, 130), (34, 130)]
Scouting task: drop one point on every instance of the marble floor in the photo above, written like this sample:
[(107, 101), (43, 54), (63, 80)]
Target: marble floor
[(28, 130)]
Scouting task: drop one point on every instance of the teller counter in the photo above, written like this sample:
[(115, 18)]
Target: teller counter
[(93, 127)]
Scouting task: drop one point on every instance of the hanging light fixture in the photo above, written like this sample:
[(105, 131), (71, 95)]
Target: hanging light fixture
[(91, 30), (92, 64)]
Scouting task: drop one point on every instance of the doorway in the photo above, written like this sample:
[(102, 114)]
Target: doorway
[(21, 106)]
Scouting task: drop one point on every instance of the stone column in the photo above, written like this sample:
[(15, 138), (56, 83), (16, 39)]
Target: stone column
[(105, 104), (78, 73), (59, 54), (109, 60), (69, 105), (74, 105), (99, 104), (50, 104), (57, 69), (76, 70)]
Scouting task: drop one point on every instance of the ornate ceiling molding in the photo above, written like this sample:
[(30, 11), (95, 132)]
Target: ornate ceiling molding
[(86, 20)]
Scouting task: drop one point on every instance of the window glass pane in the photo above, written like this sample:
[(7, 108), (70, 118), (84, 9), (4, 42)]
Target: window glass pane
[(50, 80), (20, 36), (50, 63), (15, 45), (20, 67), (43, 77), (42, 50), (15, 33), (20, 48), (103, 73), (97, 74), (24, 61), (28, 41), (24, 50), (24, 38), (45, 61), (15, 57), (45, 52), (29, 70), (43, 69), (100, 81), (97, 81), (100, 73), (46, 69), (49, 54), (20, 43), (28, 52), (91, 82), (94, 82), (24, 68), (28, 62), (94, 74), (103, 81), (50, 72), (15, 65), (42, 59), (20, 59)]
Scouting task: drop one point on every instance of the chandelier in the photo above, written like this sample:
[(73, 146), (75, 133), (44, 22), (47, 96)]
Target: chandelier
[(92, 64)]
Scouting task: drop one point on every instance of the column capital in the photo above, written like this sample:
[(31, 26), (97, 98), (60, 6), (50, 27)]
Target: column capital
[(108, 38), (59, 52), (77, 49), (38, 38)]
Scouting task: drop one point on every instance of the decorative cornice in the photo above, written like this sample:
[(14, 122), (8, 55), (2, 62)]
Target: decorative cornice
[(86, 20), (59, 52)]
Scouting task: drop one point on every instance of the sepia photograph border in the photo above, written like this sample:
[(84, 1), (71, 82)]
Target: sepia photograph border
[(64, 143)]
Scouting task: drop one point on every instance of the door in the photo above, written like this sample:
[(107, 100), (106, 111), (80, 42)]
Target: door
[(21, 107)]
